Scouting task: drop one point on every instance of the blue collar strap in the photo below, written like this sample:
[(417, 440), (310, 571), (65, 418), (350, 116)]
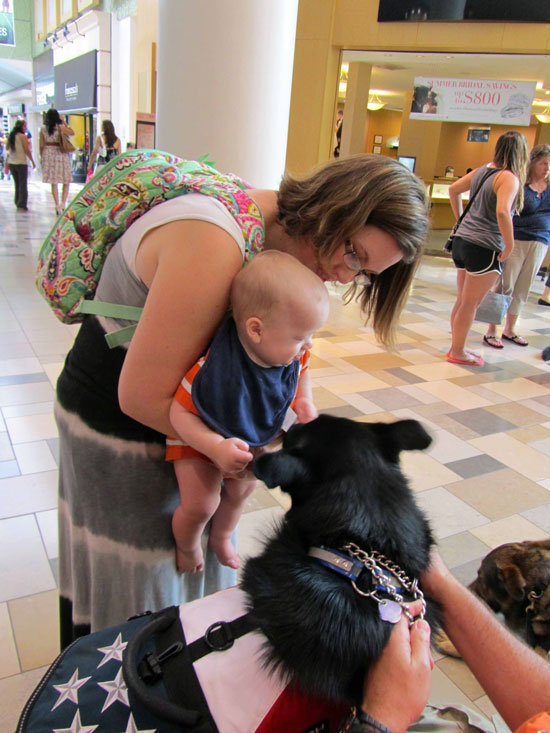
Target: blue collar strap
[(337, 561), (350, 567)]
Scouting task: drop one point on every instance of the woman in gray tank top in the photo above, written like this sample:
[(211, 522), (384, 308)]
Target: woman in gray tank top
[(485, 237)]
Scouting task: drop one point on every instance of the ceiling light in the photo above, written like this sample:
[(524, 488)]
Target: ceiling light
[(544, 116), (374, 103)]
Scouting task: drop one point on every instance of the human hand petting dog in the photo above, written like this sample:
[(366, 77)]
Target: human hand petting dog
[(397, 686)]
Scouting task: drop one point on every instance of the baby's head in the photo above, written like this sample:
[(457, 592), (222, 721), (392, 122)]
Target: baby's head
[(278, 304)]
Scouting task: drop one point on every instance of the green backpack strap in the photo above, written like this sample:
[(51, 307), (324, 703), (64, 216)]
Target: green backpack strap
[(113, 310)]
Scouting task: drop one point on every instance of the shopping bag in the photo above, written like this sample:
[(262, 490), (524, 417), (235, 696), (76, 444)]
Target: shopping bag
[(493, 307)]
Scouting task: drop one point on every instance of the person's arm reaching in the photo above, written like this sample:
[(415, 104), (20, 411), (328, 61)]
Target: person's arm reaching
[(515, 678), (456, 189)]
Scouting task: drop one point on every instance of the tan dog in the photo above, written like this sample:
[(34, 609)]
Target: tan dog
[(514, 580)]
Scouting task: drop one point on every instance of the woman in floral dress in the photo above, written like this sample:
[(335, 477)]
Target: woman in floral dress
[(56, 165)]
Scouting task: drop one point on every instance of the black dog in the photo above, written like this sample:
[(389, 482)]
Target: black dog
[(346, 487)]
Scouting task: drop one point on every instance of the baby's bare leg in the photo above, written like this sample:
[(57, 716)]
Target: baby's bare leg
[(200, 484), (226, 518)]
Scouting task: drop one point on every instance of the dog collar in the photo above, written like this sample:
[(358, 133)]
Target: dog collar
[(337, 561), (389, 582)]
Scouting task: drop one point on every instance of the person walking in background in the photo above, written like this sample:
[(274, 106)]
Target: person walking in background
[(485, 237), (107, 145), (338, 132), (531, 237), (56, 164), (19, 151)]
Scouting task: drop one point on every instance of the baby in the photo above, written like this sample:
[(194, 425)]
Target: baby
[(237, 397)]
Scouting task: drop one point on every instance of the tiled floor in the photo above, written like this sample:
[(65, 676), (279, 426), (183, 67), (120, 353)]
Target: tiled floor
[(485, 480)]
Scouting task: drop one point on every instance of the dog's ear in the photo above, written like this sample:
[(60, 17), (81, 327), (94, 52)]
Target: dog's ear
[(279, 469), (401, 435), (514, 582)]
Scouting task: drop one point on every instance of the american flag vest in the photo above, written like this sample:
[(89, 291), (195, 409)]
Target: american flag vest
[(197, 667)]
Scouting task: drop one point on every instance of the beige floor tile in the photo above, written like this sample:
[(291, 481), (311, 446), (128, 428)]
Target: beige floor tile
[(9, 367), (515, 454), (530, 434), (9, 662), (34, 492), (500, 493), (24, 567), (443, 690), (21, 394), (417, 356), (446, 391), (53, 370), (324, 399), (347, 383), (34, 457), (515, 413), (510, 529), (361, 403), (35, 623), (255, 528), (376, 417), (360, 346), (424, 472), (518, 389), (369, 362), (448, 514), (31, 427), (323, 348), (14, 693), (459, 673), (47, 523)]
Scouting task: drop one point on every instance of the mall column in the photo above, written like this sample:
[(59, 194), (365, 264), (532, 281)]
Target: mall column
[(224, 75)]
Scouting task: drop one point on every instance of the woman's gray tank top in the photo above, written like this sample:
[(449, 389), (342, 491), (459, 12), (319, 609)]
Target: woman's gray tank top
[(480, 224)]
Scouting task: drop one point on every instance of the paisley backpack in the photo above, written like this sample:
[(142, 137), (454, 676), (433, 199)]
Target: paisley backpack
[(72, 255)]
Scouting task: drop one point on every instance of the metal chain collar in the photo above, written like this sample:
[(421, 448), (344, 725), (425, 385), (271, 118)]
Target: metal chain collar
[(376, 563)]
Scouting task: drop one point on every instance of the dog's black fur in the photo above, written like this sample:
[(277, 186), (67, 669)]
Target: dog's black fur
[(346, 485)]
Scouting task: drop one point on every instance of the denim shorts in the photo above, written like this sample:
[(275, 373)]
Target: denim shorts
[(473, 258)]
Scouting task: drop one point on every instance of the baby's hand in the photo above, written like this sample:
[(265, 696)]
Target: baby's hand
[(231, 455), (305, 409)]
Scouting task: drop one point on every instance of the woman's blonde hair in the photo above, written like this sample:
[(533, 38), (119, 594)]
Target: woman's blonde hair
[(333, 203), (539, 151), (512, 154)]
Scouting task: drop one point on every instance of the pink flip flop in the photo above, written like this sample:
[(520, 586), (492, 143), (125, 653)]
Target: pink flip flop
[(475, 361)]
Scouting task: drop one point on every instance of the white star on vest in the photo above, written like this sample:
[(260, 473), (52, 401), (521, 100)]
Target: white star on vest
[(116, 690), (69, 690), (132, 727), (113, 652), (76, 726)]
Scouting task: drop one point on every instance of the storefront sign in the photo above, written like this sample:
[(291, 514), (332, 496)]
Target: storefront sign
[(7, 35), (472, 100), (76, 83)]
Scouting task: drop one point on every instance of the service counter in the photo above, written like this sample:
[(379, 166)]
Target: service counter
[(441, 214)]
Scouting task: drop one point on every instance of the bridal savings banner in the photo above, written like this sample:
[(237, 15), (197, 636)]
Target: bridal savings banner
[(472, 100)]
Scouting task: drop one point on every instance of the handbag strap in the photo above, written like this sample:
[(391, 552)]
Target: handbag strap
[(489, 173)]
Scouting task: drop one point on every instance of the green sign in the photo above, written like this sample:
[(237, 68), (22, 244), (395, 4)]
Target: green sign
[(7, 36)]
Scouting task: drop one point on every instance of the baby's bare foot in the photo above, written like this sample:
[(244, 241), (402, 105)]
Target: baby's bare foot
[(225, 552), (189, 561)]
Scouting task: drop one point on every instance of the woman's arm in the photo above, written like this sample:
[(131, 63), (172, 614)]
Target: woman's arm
[(41, 143), (95, 151), (458, 187), (188, 267), (505, 186), (516, 679), (66, 130), (27, 148), (117, 145)]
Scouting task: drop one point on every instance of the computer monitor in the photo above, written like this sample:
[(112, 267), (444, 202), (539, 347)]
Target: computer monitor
[(408, 161)]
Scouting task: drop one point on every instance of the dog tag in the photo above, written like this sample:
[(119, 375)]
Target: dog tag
[(389, 611)]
